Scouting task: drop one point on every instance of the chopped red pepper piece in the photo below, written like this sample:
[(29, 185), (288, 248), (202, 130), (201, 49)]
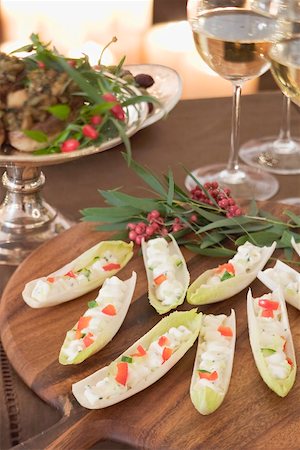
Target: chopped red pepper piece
[(160, 279), (166, 354), (227, 266), (83, 322), (110, 310), (141, 351), (290, 361), (268, 304), (50, 279), (70, 274), (267, 313), (122, 373), (225, 331), (210, 376), (111, 266), (78, 334), (88, 339), (163, 340)]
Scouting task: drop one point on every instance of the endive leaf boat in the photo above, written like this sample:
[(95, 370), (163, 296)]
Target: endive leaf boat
[(142, 364), (271, 341), (296, 245), (85, 273), (213, 363), (167, 273), (283, 277), (231, 278), (98, 325)]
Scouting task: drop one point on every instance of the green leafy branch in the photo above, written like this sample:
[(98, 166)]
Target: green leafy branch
[(213, 234)]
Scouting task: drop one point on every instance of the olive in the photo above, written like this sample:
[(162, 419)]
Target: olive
[(144, 80)]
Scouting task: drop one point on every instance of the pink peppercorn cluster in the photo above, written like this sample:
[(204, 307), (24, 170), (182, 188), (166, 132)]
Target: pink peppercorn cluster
[(89, 130), (155, 226), (220, 195)]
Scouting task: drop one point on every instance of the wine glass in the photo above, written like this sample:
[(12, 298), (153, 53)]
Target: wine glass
[(279, 154), (233, 40), (285, 66)]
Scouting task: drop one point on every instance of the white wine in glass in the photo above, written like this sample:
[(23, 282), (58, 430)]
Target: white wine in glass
[(276, 154), (234, 42)]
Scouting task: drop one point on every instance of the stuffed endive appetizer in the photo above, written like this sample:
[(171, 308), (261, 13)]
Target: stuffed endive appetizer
[(283, 277), (271, 341), (231, 278), (213, 363), (296, 245), (167, 274), (82, 275), (147, 360), (100, 322)]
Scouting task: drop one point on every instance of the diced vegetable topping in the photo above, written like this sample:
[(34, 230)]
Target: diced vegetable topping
[(70, 274), (110, 310), (88, 339), (122, 373), (225, 331), (210, 376), (92, 304), (227, 267), (83, 322), (226, 275), (163, 340), (160, 279), (140, 351), (50, 279), (267, 313), (268, 304), (167, 353), (127, 359), (111, 266)]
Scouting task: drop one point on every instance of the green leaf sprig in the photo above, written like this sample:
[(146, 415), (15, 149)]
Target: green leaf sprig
[(213, 234)]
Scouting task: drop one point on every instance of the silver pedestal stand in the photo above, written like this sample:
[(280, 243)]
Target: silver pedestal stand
[(26, 220)]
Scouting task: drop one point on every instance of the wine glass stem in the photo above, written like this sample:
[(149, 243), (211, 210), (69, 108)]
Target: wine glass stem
[(233, 164), (284, 134)]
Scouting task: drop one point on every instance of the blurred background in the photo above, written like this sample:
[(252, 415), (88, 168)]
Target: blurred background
[(148, 31)]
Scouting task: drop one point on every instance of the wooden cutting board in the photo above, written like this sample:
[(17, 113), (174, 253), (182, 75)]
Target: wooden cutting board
[(162, 416)]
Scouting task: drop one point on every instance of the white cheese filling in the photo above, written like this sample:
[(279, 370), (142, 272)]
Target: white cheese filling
[(272, 339), (215, 352), (111, 293), (140, 368), (161, 262), (244, 261)]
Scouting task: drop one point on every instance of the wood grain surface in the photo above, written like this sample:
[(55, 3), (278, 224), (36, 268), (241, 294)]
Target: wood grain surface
[(162, 416)]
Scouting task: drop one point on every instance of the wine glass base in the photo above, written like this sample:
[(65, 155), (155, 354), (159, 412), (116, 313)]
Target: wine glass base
[(246, 183), (273, 155), (290, 201)]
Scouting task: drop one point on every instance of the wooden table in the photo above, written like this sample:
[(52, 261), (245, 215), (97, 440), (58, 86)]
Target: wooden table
[(196, 133)]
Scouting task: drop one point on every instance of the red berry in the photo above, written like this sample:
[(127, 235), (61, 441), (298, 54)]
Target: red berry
[(193, 218), (90, 132), (96, 120), (132, 235), (154, 214), (139, 229), (223, 203), (108, 97), (150, 230), (131, 226), (118, 112), (138, 240), (41, 64), (155, 226), (164, 231), (69, 145), (214, 185), (177, 227), (72, 62)]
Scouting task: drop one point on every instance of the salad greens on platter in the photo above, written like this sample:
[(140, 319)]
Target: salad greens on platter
[(51, 104), (210, 224)]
